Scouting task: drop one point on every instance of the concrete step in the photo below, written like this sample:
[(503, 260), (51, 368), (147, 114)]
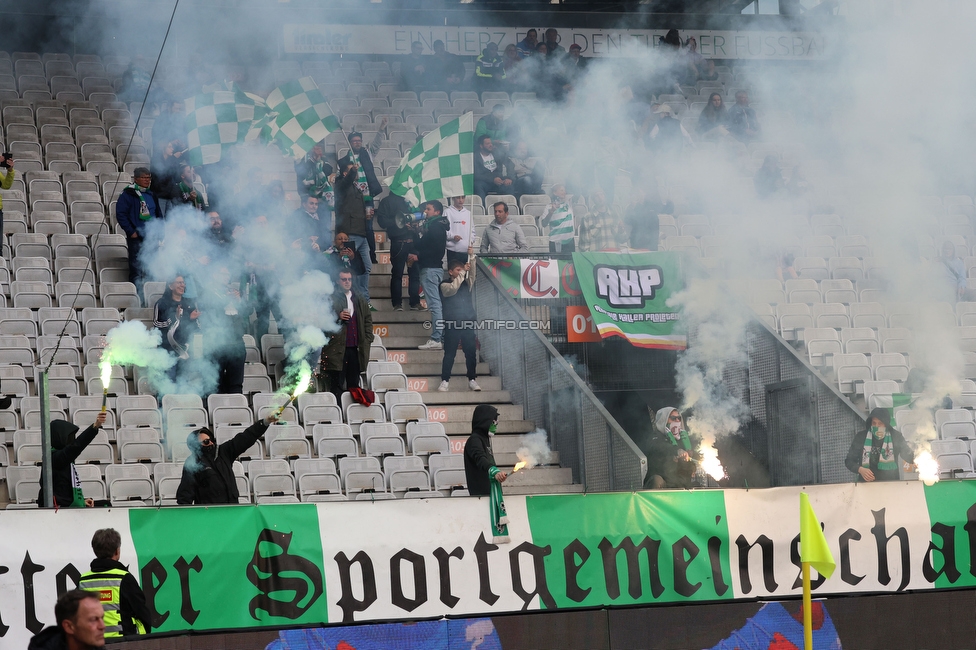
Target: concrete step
[(457, 384), (509, 458), (401, 329), (463, 413), (412, 356), (571, 488), (542, 475), (433, 397), (427, 369), (405, 316), (462, 429), (403, 342)]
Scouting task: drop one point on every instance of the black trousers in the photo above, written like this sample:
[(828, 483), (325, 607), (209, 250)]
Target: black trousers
[(135, 271), (349, 373), (568, 246), (466, 337), (230, 369), (399, 250), (454, 255)]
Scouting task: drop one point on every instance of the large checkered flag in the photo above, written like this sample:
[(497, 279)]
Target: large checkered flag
[(217, 121), (441, 165), (303, 116)]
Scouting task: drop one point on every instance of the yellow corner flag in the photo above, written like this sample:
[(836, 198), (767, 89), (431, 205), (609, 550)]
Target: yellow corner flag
[(813, 544)]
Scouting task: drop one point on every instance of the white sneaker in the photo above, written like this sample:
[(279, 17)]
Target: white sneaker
[(443, 387), (473, 385), (431, 344)]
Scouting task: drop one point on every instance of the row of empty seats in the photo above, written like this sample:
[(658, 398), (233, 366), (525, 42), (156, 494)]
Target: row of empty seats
[(264, 481)]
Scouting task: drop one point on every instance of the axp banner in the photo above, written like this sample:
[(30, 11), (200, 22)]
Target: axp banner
[(627, 294), (285, 565), (594, 41)]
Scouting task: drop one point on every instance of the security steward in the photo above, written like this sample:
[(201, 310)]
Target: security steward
[(126, 612)]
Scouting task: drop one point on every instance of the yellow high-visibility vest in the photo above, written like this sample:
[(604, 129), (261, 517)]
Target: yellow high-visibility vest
[(108, 586)]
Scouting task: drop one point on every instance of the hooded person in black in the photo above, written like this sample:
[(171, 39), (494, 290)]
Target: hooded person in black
[(479, 461), (208, 474), (874, 452), (65, 448)]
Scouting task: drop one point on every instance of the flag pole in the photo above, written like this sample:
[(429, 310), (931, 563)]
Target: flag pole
[(807, 612)]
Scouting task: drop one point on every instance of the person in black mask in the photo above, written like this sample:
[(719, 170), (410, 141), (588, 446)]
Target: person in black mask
[(479, 460), (208, 474), (65, 448)]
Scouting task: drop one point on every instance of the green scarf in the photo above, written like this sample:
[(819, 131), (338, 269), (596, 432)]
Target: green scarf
[(361, 180), (682, 438), (186, 190), (499, 516), (317, 183), (886, 461), (143, 208), (77, 496)]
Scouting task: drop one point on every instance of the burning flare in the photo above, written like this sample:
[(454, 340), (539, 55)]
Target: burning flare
[(519, 465), (711, 464), (928, 468), (105, 366), (304, 383)]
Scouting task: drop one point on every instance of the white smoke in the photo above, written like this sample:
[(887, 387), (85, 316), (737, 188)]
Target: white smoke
[(716, 326), (534, 449)]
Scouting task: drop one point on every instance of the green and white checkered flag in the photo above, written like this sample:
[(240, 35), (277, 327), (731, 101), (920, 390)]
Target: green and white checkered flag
[(219, 120), (440, 165), (303, 116)]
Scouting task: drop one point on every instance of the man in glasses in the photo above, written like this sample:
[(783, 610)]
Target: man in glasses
[(208, 473), (346, 354), (136, 207), (672, 453)]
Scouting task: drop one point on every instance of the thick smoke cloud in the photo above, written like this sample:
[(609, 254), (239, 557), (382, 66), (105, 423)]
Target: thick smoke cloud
[(871, 130)]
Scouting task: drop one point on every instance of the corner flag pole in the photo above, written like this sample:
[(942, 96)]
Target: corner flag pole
[(807, 613)]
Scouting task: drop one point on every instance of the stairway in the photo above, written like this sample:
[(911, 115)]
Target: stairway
[(402, 332)]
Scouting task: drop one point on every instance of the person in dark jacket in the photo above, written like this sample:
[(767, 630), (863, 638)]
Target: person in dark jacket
[(479, 461), (345, 355), (489, 69), (176, 317), (459, 319), (643, 220), (80, 624), (65, 448), (208, 474), (429, 254), (366, 178), (351, 219), (672, 454), (401, 242), (874, 452), (126, 613), (309, 229), (136, 207), (492, 173), (166, 176)]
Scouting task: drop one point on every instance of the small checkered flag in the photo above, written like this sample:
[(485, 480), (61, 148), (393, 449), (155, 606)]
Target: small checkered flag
[(301, 116), (441, 165)]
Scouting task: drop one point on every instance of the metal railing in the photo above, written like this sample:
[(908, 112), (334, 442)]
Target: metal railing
[(589, 441)]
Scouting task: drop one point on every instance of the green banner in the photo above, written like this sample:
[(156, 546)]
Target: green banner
[(627, 295), (227, 567), (535, 279), (631, 548)]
